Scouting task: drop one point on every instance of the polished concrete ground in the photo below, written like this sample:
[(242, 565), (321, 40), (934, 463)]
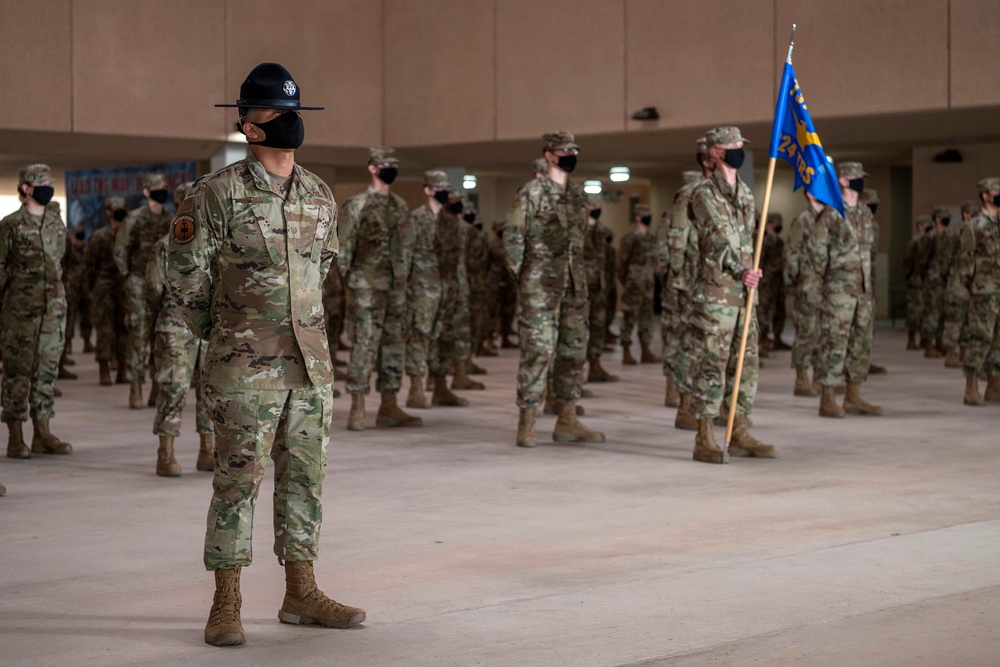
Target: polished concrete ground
[(870, 541)]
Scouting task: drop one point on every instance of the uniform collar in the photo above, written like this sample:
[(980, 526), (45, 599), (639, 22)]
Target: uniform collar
[(263, 181)]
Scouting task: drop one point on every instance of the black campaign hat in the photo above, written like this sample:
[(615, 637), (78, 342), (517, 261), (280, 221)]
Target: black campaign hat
[(270, 86)]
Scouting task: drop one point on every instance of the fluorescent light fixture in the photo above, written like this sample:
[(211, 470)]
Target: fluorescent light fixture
[(592, 187), (469, 182), (236, 138), (619, 174)]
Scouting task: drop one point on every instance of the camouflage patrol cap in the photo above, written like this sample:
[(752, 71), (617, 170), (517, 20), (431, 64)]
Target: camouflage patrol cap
[(540, 166), (641, 210), (702, 145), (559, 141), (436, 179), (925, 221), (455, 193), (381, 156), (499, 224), (593, 201), (691, 176), (34, 173), (154, 181), (870, 196), (941, 212), (182, 191), (469, 206), (851, 170), (727, 134), (774, 217), (114, 203), (989, 184), (971, 206)]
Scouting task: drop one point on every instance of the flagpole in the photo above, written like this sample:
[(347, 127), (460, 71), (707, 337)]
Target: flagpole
[(751, 292)]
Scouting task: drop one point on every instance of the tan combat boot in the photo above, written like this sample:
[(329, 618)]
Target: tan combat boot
[(911, 341), (444, 396), (685, 421), (473, 368), (526, 436), (304, 604), (828, 403), (972, 395), (952, 360), (569, 429), (16, 449), (855, 405), (43, 442), (931, 351), (166, 464), (596, 372), (803, 387), (744, 444), (206, 453), (992, 393), (224, 627), (121, 376), (154, 394), (627, 358), (507, 344), (390, 414), (416, 398), (706, 449), (461, 380), (135, 395), (671, 398), (647, 356), (356, 418), (487, 348), (105, 373)]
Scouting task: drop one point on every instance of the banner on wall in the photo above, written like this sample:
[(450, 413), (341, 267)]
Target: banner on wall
[(87, 188)]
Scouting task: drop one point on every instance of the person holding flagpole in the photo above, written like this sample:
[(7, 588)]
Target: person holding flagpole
[(723, 207)]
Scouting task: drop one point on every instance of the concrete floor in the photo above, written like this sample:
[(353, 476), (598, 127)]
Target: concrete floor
[(870, 541)]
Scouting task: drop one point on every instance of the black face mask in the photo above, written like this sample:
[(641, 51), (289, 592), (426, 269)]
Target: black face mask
[(387, 175), (873, 208), (78, 237), (567, 163), (856, 184), (646, 219), (945, 221), (441, 196), (777, 230), (43, 194), (119, 215), (469, 218), (996, 200), (456, 208), (734, 157), (596, 214), (284, 131), (159, 195), (478, 226)]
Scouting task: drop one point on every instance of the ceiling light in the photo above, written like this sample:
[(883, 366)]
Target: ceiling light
[(235, 137), (619, 174), (592, 187), (469, 182)]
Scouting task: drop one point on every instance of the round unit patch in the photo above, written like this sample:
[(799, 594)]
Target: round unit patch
[(289, 88), (183, 229)]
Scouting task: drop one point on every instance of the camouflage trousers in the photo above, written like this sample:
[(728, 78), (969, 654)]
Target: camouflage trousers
[(612, 299), (637, 311), (771, 308), (675, 330), (290, 426), (715, 334), (805, 318), (956, 317), (334, 311), (109, 320), (553, 332), (178, 359), (478, 317), (933, 320), (847, 325), (451, 344), (422, 313), (598, 320), (982, 349), (379, 321), (914, 309), (137, 344), (78, 311), (31, 350)]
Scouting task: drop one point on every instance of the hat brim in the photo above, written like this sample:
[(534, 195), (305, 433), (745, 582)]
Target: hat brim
[(272, 106)]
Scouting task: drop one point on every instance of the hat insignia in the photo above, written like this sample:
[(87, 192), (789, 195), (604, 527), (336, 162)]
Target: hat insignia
[(289, 88)]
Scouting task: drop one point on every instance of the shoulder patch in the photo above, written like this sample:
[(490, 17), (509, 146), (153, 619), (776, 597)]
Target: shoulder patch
[(183, 229)]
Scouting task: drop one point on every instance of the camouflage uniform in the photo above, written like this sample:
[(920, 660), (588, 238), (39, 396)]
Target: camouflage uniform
[(477, 262), (636, 270), (424, 290), (611, 283), (918, 267), (106, 286), (77, 289), (373, 261), (805, 315), (451, 346), (978, 268), (724, 221), (771, 313), (179, 355), (248, 258), (133, 247), (956, 307), (936, 282), (503, 303), (595, 248), (33, 310), (839, 255), (334, 306)]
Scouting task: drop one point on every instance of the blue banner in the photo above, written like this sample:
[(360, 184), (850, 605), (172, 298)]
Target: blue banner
[(794, 139)]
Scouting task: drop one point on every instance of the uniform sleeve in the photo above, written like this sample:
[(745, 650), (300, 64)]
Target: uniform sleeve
[(192, 253), (5, 249), (331, 244), (965, 259), (712, 239), (625, 254), (514, 233), (156, 271), (347, 234), (815, 258), (122, 241)]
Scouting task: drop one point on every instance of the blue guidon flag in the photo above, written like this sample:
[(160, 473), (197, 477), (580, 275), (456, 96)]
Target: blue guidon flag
[(794, 139)]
